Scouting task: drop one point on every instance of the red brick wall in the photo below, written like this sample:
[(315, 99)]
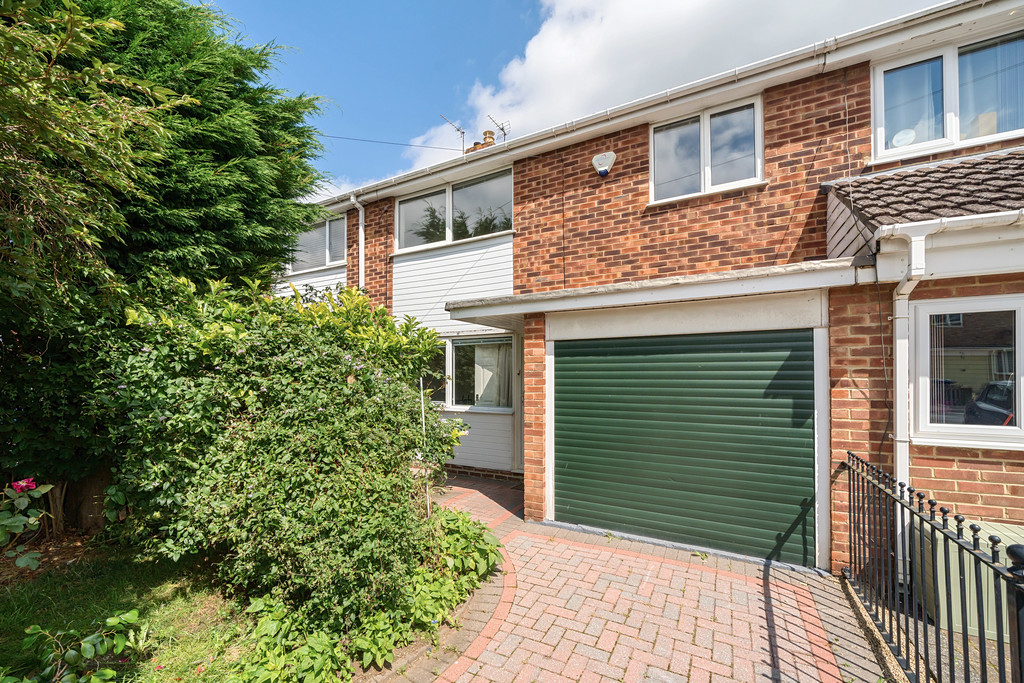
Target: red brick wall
[(860, 388), (380, 230), (576, 229), (533, 416), (982, 484)]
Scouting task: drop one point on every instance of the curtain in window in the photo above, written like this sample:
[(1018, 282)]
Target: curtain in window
[(505, 375), (991, 96)]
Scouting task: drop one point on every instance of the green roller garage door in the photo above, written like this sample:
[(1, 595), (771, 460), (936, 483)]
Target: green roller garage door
[(702, 439)]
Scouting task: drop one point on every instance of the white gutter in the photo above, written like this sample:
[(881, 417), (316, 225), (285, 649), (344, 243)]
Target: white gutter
[(916, 236), (362, 240)]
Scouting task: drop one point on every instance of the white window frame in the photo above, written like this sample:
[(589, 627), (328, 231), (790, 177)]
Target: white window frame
[(950, 55), (705, 151), (958, 435), (449, 214), (449, 371), (328, 261)]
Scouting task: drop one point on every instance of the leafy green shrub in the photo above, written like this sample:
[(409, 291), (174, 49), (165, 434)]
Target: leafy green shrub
[(280, 436), (69, 656)]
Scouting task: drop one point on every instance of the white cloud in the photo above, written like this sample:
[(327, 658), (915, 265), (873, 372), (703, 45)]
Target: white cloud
[(589, 55), (338, 186)]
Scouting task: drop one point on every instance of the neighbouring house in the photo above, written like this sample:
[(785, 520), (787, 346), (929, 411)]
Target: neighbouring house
[(817, 252)]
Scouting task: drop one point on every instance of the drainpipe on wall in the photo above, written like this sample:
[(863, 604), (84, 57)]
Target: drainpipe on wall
[(362, 240), (915, 235)]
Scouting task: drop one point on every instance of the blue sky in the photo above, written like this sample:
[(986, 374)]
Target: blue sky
[(389, 69)]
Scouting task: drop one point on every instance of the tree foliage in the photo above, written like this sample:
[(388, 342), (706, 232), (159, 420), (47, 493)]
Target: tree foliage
[(70, 146), (224, 196)]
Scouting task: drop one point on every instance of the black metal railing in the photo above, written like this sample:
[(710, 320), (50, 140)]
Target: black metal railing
[(948, 608)]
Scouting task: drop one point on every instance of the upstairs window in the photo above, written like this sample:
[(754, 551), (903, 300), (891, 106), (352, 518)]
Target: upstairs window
[(482, 206), (711, 151), (954, 97), (322, 246)]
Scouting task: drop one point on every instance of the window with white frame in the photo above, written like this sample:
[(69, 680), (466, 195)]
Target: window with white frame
[(967, 371), (322, 246), (956, 95), (714, 150), (482, 206), (479, 373)]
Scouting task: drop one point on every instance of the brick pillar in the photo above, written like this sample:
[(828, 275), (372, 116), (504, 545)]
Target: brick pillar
[(533, 417)]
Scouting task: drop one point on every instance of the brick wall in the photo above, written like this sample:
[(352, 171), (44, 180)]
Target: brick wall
[(860, 388), (576, 229), (982, 484), (380, 230), (533, 416)]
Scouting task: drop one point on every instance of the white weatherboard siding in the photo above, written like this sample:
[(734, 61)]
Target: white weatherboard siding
[(423, 281), (489, 443), (321, 278)]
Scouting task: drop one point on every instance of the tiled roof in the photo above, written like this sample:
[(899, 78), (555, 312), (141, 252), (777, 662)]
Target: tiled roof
[(960, 187)]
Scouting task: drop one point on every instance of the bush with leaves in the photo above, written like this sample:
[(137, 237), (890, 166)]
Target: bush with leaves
[(281, 436)]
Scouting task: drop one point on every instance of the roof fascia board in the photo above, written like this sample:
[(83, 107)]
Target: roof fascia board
[(773, 279), (873, 42)]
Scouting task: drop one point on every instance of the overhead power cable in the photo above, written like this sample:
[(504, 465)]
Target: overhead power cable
[(385, 142)]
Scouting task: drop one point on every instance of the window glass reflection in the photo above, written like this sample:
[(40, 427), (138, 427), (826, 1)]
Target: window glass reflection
[(677, 165), (913, 103), (972, 368), (732, 146), (992, 87), (422, 220)]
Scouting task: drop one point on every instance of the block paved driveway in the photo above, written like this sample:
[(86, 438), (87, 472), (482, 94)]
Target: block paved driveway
[(582, 607)]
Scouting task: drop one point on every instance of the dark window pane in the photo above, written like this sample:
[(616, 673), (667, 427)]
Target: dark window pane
[(992, 87), (972, 368), (482, 207), (422, 220), (434, 380), (913, 103), (677, 166), (732, 146)]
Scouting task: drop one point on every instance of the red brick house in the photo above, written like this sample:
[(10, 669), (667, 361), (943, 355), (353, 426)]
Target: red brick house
[(819, 252)]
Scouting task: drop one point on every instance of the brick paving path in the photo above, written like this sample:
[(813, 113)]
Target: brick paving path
[(580, 607)]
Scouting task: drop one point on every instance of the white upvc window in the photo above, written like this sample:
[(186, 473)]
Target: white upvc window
[(456, 212), (320, 247), (710, 151), (967, 365), (950, 97), (478, 373)]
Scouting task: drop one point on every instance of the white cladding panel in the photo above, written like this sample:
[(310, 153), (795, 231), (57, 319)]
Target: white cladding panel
[(489, 443), (424, 281), (332, 277)]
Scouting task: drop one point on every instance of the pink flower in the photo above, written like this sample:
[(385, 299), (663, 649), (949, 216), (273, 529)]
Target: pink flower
[(23, 485)]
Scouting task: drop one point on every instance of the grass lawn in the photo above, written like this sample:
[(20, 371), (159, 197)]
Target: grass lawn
[(193, 631)]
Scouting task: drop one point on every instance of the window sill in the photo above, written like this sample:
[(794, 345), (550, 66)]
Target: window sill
[(939, 146), (318, 269), (745, 185), (441, 245), (478, 409), (1008, 442)]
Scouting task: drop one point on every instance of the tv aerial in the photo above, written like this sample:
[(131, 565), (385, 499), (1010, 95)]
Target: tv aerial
[(460, 131), (505, 128)]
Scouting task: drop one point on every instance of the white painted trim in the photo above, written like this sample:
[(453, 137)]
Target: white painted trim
[(770, 280), (741, 185), (704, 123), (443, 245), (784, 311), (950, 101), (822, 450), (549, 430), (336, 266)]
